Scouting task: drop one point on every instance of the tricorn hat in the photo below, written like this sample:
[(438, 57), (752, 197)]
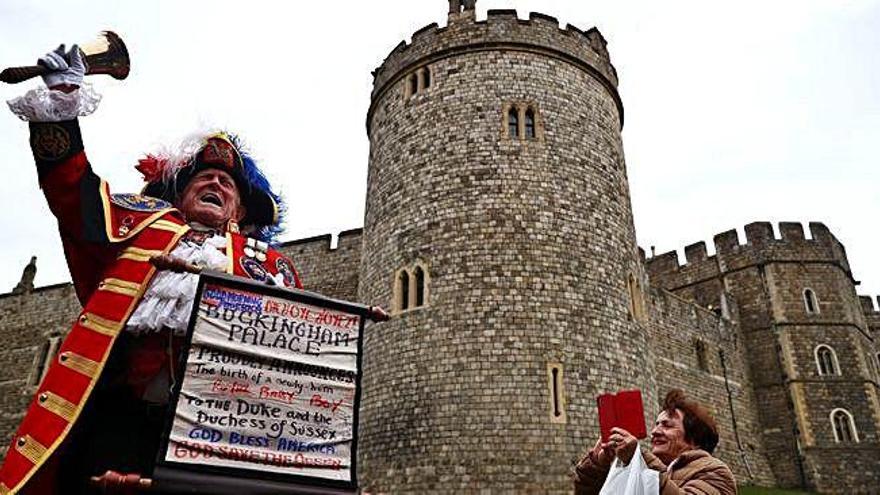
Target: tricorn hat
[(167, 174)]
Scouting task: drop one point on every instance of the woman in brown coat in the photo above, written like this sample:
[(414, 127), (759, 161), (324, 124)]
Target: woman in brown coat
[(682, 442)]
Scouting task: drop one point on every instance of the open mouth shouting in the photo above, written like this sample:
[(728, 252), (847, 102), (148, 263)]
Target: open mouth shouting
[(211, 198)]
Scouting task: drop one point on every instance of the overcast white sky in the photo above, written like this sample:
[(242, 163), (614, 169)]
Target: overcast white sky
[(735, 111)]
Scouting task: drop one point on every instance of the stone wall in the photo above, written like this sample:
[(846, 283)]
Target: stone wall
[(332, 271), (769, 279), (28, 324), (702, 353)]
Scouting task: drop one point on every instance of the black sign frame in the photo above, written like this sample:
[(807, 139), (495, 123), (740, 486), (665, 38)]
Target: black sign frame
[(177, 477)]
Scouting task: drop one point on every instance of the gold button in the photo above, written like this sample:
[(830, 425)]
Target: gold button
[(44, 397), (102, 285), (22, 441), (63, 357), (83, 319)]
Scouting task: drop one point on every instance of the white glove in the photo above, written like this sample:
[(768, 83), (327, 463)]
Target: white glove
[(66, 68)]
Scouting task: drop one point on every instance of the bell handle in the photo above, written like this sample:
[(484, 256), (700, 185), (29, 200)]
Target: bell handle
[(15, 75)]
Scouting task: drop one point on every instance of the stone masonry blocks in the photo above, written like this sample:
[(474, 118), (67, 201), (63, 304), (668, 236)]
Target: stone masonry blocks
[(530, 244)]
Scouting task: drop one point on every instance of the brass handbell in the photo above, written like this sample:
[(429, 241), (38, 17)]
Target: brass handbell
[(105, 55)]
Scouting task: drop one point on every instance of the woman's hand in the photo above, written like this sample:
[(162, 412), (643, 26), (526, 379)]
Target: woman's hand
[(622, 444), (602, 454)]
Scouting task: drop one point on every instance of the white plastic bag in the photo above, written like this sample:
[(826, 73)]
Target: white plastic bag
[(634, 479)]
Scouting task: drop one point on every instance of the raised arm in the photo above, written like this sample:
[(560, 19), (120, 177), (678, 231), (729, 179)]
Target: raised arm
[(76, 196), (67, 180), (73, 191)]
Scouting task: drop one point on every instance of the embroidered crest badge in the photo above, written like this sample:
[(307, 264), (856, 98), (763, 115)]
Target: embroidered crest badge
[(136, 202), (253, 268), (50, 142), (219, 152)]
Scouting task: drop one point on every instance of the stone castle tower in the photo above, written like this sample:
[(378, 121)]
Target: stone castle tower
[(496, 167)]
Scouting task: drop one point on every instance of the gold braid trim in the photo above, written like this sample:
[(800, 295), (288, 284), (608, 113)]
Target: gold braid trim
[(91, 368), (62, 407), (80, 364), (137, 254), (168, 226), (103, 326), (30, 448), (118, 286)]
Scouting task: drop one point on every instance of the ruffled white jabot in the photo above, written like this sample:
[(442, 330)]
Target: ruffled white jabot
[(168, 301)]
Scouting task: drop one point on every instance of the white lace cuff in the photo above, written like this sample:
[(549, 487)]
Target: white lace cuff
[(45, 105)]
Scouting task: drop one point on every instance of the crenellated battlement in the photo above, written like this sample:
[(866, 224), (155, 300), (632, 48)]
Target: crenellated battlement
[(761, 245), (327, 268), (502, 29), (868, 305), (323, 243)]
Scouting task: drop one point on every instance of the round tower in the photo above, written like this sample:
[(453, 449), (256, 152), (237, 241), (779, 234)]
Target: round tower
[(499, 230)]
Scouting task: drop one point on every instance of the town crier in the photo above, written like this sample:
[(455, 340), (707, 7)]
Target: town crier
[(103, 401)]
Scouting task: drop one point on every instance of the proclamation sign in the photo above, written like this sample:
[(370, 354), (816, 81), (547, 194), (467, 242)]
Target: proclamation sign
[(269, 388)]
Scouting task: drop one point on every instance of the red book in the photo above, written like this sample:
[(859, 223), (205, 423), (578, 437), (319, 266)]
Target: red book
[(622, 410)]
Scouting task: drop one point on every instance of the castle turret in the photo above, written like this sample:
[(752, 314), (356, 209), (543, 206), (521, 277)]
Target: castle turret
[(467, 7), (498, 227)]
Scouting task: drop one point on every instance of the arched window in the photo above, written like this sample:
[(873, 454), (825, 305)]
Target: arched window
[(413, 84), (513, 122), (636, 300), (420, 287), (826, 360), (417, 82), (810, 302), (844, 426), (40, 359), (426, 77), (700, 350), (411, 287), (43, 359), (401, 291), (519, 120), (530, 124), (876, 360)]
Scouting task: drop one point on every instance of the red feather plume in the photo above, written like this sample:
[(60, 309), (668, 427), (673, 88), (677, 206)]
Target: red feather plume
[(152, 168)]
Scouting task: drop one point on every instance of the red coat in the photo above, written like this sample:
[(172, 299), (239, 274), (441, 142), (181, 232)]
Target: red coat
[(108, 241)]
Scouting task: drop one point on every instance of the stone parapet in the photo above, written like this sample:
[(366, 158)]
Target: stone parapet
[(502, 29), (872, 316), (761, 247), (323, 268)]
